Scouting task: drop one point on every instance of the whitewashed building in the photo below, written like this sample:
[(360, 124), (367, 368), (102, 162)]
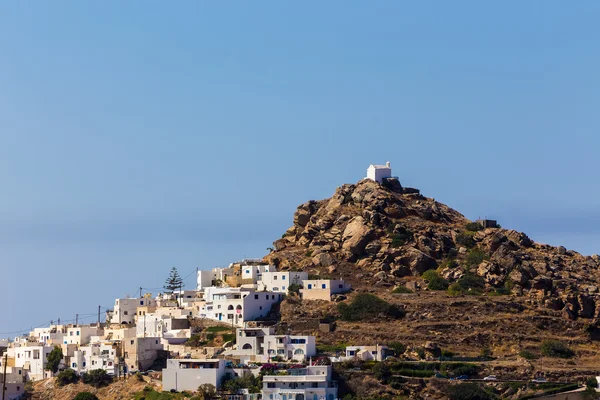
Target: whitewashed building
[(310, 383), (189, 374), (378, 173), (252, 273), (262, 345), (31, 357), (172, 330), (281, 281), (237, 305), (81, 334), (95, 356), (368, 353), (14, 380), (322, 289), (126, 309)]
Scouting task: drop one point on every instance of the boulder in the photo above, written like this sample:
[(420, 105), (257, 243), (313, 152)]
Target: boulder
[(417, 261), (323, 260), (433, 349), (356, 236)]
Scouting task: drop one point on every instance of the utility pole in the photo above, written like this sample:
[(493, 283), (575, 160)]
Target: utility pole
[(98, 316), (76, 319), (140, 292), (4, 380)]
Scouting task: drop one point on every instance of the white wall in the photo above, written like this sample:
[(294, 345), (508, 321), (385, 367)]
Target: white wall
[(280, 281), (379, 172), (176, 377)]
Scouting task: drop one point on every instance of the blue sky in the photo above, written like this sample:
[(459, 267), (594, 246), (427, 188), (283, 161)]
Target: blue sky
[(136, 136)]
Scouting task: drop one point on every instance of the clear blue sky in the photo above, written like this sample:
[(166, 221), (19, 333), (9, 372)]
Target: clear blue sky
[(136, 136)]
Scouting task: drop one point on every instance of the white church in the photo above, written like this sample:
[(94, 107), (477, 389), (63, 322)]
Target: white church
[(378, 173)]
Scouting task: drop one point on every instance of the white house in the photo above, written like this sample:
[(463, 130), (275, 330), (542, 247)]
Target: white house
[(237, 305), (95, 356), (368, 353), (173, 330), (54, 334), (253, 273), (322, 289), (262, 345), (310, 383), (140, 353), (189, 374), (126, 309), (81, 334), (14, 380), (378, 173), (280, 281), (31, 357)]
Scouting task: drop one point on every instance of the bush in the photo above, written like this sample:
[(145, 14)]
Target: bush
[(435, 281), (96, 378), (206, 391), (467, 391), (528, 355), (139, 377), (473, 227), (447, 354), (294, 288), (66, 377), (467, 284), (475, 257), (401, 237), (591, 382), (554, 348), (196, 341), (398, 348), (382, 371), (449, 263), (216, 329), (465, 239), (401, 289), (85, 396), (366, 306)]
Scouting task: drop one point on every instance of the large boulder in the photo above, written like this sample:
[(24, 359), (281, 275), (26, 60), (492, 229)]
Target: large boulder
[(323, 260), (356, 236), (417, 261)]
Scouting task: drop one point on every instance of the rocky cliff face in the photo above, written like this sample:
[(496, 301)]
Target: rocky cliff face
[(382, 236)]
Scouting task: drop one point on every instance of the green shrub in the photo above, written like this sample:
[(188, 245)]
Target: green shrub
[(554, 348), (218, 329), (447, 353), (66, 377), (367, 306), (196, 341), (465, 239), (528, 355), (401, 289), (85, 396), (382, 371), (473, 227), (475, 257), (294, 288), (331, 348), (449, 263), (591, 382), (96, 378), (435, 281), (455, 290), (228, 337), (139, 377), (398, 348), (401, 237), (308, 253), (458, 369), (421, 353), (467, 391)]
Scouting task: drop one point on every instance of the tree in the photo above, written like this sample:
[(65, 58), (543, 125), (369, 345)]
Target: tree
[(96, 378), (66, 377), (207, 391), (53, 360), (174, 281), (85, 396)]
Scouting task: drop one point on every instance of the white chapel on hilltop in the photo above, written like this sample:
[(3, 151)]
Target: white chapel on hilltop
[(378, 173)]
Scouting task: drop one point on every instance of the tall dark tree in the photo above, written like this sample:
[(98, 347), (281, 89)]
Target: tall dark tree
[(53, 359), (173, 282)]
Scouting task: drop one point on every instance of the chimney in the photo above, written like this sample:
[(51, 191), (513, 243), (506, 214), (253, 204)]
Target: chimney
[(387, 164)]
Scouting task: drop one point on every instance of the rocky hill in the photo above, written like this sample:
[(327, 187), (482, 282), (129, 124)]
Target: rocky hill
[(384, 235)]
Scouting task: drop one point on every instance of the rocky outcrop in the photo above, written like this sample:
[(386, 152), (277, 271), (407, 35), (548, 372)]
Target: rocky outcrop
[(380, 235)]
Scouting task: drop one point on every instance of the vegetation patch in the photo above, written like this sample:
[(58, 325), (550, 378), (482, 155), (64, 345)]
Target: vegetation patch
[(96, 378), (465, 239), (402, 289), (66, 377), (366, 306), (85, 396), (435, 281), (467, 391), (555, 348), (475, 257), (467, 284), (473, 227)]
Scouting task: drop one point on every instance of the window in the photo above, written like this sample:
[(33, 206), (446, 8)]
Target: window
[(84, 363), (77, 333), (374, 352), (315, 385), (74, 365), (229, 316), (280, 351), (271, 385), (132, 341), (261, 307), (156, 341), (341, 286), (283, 288), (293, 385), (255, 297), (274, 277), (125, 313), (283, 277), (323, 286), (71, 333), (141, 302), (230, 307), (310, 285), (219, 307), (299, 352)]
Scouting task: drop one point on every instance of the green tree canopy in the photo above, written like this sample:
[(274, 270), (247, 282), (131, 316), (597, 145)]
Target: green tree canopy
[(53, 360), (174, 281), (85, 396)]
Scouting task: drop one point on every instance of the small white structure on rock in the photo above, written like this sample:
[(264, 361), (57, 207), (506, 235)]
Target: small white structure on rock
[(378, 173)]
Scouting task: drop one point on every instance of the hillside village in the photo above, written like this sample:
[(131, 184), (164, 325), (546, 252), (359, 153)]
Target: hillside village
[(357, 300)]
